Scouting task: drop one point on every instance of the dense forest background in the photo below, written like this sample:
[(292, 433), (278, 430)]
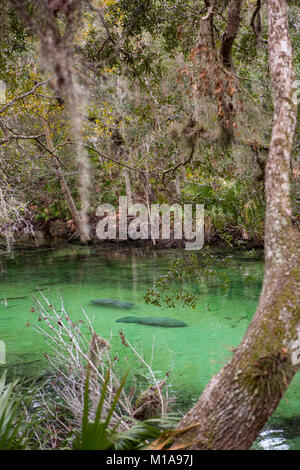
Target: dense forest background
[(125, 98)]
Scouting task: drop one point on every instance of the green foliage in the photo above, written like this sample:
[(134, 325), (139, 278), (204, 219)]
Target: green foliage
[(142, 433), (14, 37), (98, 435), (232, 207), (136, 15), (14, 431), (136, 87), (55, 210), (203, 268)]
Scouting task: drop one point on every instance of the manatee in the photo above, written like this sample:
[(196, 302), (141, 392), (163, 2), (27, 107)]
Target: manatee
[(153, 321), (112, 303)]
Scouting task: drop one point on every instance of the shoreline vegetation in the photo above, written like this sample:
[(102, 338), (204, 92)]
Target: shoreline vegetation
[(56, 231), (82, 401)]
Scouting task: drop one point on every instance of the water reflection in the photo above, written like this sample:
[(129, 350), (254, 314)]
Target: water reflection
[(272, 439)]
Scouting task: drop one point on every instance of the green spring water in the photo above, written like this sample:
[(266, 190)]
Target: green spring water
[(193, 354)]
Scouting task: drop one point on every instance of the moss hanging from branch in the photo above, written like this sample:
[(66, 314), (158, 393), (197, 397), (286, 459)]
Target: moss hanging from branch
[(55, 23)]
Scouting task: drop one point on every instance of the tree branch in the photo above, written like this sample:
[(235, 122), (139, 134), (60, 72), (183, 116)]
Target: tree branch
[(20, 97), (20, 136), (233, 22)]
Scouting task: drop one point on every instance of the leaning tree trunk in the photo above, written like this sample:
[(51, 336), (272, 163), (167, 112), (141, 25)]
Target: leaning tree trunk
[(240, 399), (63, 183)]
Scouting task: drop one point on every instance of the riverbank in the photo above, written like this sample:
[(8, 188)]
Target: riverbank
[(56, 231)]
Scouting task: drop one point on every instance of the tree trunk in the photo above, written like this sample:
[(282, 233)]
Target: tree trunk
[(128, 186), (239, 400), (63, 183), (233, 22)]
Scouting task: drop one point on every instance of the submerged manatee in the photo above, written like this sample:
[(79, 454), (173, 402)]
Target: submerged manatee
[(153, 321), (112, 303)]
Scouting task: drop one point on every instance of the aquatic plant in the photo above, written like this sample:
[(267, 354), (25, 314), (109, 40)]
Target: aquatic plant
[(76, 346)]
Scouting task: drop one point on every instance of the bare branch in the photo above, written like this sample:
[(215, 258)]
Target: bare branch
[(102, 19), (256, 25), (20, 136), (20, 97), (210, 11)]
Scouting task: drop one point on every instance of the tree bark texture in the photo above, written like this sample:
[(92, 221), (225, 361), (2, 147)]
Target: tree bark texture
[(239, 400)]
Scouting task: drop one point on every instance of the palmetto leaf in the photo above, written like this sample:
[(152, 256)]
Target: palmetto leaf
[(96, 435), (13, 431)]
